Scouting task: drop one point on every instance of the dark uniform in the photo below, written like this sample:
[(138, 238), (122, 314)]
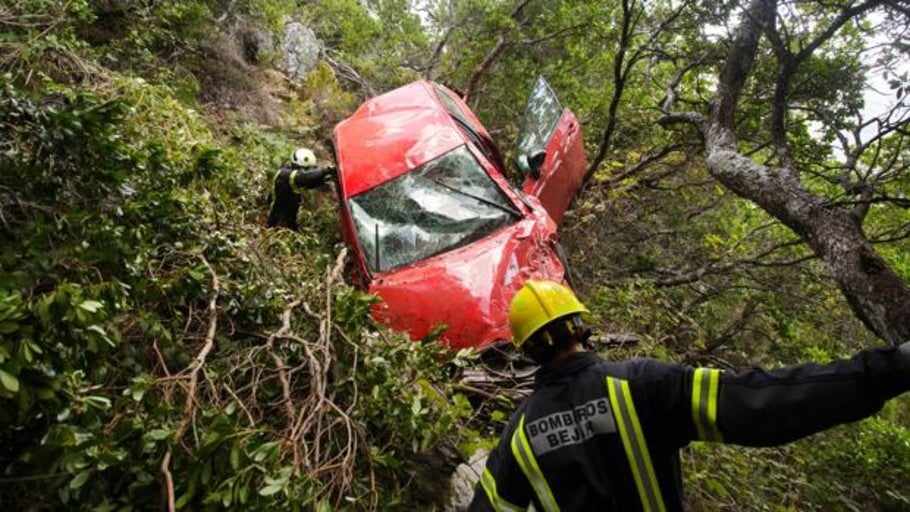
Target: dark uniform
[(599, 435), (287, 186)]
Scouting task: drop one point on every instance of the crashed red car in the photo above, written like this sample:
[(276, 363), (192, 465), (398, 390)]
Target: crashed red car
[(437, 230)]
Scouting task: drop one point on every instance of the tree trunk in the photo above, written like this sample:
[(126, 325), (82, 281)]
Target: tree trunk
[(876, 293)]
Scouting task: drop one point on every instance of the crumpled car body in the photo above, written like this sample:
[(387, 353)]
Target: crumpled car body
[(436, 229)]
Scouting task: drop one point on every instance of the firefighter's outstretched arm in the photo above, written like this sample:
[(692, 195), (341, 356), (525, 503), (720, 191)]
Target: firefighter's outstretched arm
[(302, 179), (765, 408)]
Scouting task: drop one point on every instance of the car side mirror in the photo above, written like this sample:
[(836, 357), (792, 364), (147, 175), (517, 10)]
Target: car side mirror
[(530, 165)]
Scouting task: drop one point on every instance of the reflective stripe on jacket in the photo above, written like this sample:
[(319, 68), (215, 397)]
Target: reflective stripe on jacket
[(599, 435)]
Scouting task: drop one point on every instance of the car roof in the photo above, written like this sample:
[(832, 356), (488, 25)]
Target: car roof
[(391, 134)]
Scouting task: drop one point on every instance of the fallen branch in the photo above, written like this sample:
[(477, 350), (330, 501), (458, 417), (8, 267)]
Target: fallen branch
[(167, 490), (189, 403), (282, 369), (196, 365)]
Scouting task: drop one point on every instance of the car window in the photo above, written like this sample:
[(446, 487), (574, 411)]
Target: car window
[(443, 204), (540, 117)]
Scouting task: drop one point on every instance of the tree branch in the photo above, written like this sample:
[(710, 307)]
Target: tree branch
[(190, 401), (877, 295), (488, 60), (759, 14)]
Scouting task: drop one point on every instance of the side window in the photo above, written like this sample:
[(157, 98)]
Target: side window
[(540, 117)]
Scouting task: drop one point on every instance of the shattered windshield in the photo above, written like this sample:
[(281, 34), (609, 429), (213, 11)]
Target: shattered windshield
[(443, 204)]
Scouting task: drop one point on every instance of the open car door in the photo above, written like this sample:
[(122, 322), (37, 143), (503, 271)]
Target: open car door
[(551, 154)]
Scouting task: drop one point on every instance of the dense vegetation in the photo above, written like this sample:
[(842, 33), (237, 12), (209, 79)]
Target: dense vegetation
[(157, 344)]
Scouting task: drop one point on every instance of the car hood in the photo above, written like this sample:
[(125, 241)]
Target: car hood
[(468, 290)]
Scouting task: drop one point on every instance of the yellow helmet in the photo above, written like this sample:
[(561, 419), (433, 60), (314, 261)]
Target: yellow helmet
[(538, 303)]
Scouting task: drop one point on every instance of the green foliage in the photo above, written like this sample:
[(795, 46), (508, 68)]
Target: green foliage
[(844, 469), (129, 229), (129, 206), (383, 42), (328, 100)]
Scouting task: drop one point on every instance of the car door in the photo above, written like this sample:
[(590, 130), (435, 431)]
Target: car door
[(550, 152)]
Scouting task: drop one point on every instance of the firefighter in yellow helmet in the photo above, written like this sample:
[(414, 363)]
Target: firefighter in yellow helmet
[(605, 435)]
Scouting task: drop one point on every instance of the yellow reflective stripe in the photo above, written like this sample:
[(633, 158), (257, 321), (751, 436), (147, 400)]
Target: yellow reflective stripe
[(294, 188), (274, 191), (498, 503), (712, 404), (636, 448), (696, 403), (525, 457), (705, 385)]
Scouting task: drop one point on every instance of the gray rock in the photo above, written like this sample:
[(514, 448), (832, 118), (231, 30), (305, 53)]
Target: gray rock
[(299, 50), (463, 481)]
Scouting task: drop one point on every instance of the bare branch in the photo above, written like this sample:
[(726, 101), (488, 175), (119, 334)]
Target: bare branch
[(430, 66), (643, 163), (190, 401), (619, 84), (693, 118)]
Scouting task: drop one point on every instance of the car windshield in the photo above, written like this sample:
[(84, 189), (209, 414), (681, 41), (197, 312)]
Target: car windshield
[(443, 204)]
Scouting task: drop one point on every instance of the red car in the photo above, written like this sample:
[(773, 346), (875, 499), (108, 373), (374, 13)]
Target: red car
[(436, 229)]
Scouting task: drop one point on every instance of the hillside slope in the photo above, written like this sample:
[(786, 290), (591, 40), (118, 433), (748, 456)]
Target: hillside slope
[(160, 348), (157, 344)]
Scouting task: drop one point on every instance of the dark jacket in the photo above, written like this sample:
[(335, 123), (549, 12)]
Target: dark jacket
[(600, 435), (287, 185)]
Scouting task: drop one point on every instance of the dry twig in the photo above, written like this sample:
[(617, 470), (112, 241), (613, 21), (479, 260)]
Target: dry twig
[(193, 371)]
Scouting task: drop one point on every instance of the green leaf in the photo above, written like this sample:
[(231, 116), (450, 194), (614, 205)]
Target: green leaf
[(235, 456), (80, 479), (158, 434), (92, 306), (263, 451), (717, 487), (98, 402), (9, 381), (137, 394), (184, 499), (97, 329), (270, 489)]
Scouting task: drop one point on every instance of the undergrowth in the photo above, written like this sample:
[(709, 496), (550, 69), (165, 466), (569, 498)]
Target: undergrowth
[(157, 344)]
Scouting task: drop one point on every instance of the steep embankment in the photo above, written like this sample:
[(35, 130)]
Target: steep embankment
[(158, 346)]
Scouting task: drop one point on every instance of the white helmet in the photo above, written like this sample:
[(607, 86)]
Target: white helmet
[(303, 157)]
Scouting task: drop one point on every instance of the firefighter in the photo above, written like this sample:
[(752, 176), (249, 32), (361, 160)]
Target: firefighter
[(605, 435), (289, 183)]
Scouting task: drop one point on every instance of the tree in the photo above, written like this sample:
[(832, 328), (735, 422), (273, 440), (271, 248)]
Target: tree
[(793, 190)]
